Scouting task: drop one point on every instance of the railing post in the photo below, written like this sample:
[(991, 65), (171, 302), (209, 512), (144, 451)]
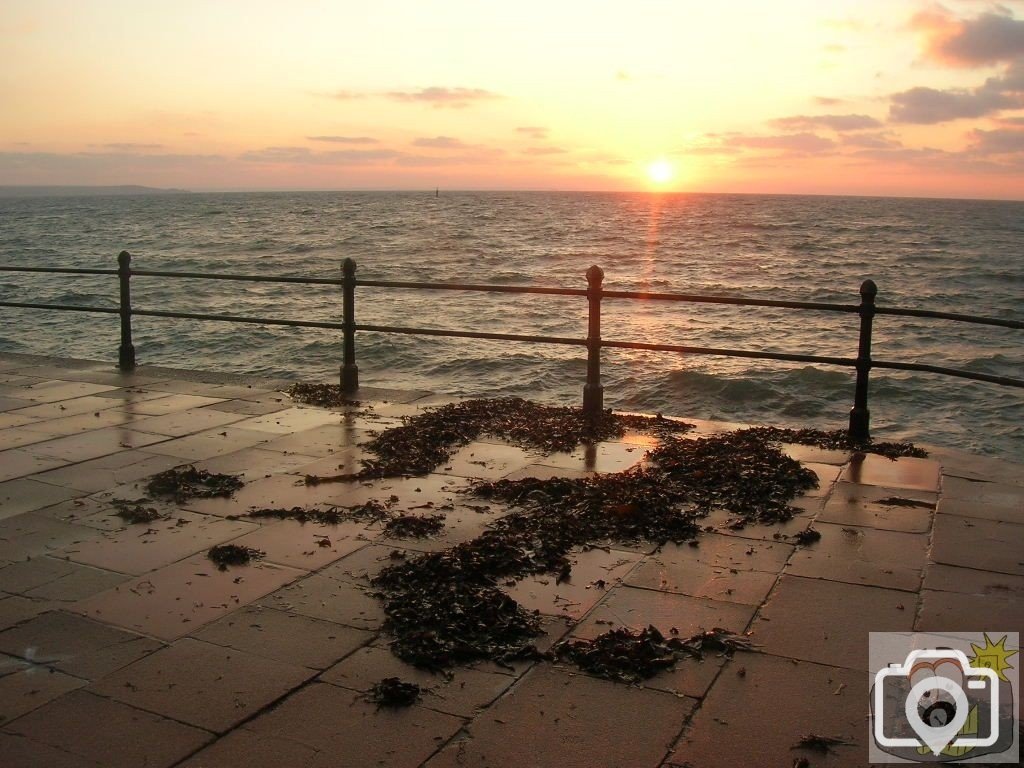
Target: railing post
[(860, 416), (126, 352), (593, 392), (349, 370)]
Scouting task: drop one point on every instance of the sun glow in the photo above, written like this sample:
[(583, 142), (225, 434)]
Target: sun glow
[(660, 172)]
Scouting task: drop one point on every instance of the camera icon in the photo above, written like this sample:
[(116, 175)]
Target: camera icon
[(937, 695)]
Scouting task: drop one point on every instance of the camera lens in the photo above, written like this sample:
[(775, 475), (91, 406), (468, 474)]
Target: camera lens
[(939, 714)]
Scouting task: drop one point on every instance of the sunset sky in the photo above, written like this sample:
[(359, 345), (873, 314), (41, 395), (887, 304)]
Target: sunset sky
[(888, 97)]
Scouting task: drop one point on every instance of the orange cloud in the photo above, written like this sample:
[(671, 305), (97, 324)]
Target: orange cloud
[(436, 96), (991, 38)]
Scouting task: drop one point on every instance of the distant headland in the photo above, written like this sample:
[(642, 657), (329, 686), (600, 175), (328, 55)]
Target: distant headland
[(84, 191)]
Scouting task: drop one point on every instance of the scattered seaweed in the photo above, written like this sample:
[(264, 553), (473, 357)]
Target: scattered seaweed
[(182, 484), (807, 536), (324, 395), (394, 693), (630, 656), (427, 440), (838, 439), (445, 608), (822, 744), (134, 513), (414, 526), (233, 554)]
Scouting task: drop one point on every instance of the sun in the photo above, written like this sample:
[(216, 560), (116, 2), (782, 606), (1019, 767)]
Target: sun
[(660, 171)]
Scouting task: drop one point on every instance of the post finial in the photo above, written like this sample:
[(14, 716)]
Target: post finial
[(348, 267), (868, 290), (595, 275), (124, 259)]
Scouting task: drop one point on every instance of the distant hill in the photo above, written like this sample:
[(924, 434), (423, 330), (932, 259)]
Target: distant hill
[(84, 191)]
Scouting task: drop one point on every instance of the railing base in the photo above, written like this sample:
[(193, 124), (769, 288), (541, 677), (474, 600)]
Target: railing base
[(349, 379), (593, 398), (126, 357), (860, 420)]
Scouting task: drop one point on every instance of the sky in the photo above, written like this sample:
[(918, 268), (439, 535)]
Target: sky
[(864, 97)]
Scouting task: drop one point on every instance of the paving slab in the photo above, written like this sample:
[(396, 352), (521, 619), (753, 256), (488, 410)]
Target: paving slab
[(93, 444), (283, 636), (971, 581), (959, 612), (994, 501), (28, 535), (52, 578), (20, 752), (828, 621), (252, 407), (759, 716), (62, 408), (290, 420), (600, 457), (180, 598), (255, 463), (365, 736), (51, 391), (555, 718), (186, 422), (202, 684), (83, 422), (321, 597), (325, 440), (308, 546), (129, 737), (678, 569), (157, 403), (241, 748), (142, 547), (18, 462), (887, 509), (907, 473), (15, 609), (31, 688), (28, 495), (638, 608), (273, 492), (487, 461), (976, 542), (107, 471), (75, 645), (462, 692), (205, 445), (889, 559)]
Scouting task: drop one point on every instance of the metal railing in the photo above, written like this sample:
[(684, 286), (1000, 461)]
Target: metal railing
[(593, 390)]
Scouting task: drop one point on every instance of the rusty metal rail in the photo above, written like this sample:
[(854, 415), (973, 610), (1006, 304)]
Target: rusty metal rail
[(593, 390)]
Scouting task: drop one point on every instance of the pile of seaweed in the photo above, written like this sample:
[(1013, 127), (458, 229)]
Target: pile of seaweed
[(414, 526), (426, 441), (135, 513), (630, 657), (394, 693), (224, 555), (182, 484), (445, 608), (324, 395), (839, 440)]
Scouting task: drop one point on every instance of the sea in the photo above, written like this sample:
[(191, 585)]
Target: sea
[(962, 256)]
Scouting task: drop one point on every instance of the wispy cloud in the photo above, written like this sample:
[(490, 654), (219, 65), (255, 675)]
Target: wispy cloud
[(533, 131), (802, 143), (926, 106), (293, 155), (829, 122), (440, 97), (440, 142), (344, 139), (128, 146), (545, 151), (1002, 141)]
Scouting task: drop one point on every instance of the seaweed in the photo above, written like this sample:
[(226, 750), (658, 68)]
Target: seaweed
[(324, 395), (822, 744), (629, 656), (838, 439), (133, 512), (233, 554), (394, 693), (414, 526), (182, 484), (807, 536), (899, 501), (369, 512)]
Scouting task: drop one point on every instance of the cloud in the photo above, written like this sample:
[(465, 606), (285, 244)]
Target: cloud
[(870, 141), (926, 106), (345, 95), (455, 98), (295, 155), (991, 38), (1002, 141), (829, 122), (545, 151), (127, 146), (828, 101), (801, 143), (440, 142), (533, 131), (343, 139)]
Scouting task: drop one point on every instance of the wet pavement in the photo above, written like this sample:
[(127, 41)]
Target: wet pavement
[(123, 645)]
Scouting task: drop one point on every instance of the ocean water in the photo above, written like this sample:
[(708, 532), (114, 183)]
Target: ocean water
[(958, 256)]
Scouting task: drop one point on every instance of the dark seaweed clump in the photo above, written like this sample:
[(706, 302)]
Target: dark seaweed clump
[(839, 440), (629, 656), (369, 512), (426, 441), (414, 526), (822, 744), (324, 395), (191, 483), (445, 608), (233, 554), (394, 692), (133, 512)]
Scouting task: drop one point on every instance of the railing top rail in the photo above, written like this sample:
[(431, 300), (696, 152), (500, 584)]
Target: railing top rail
[(542, 290)]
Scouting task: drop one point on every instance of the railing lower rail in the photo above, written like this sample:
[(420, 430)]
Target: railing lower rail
[(593, 390)]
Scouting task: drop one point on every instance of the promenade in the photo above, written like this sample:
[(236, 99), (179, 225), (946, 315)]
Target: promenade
[(122, 645)]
